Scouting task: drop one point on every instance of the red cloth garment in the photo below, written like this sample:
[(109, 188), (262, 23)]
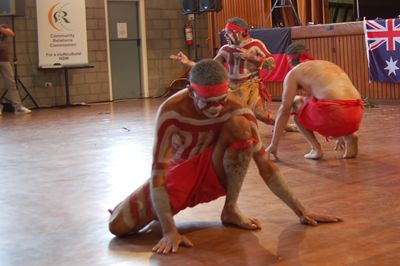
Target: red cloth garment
[(264, 93), (193, 182), (331, 118)]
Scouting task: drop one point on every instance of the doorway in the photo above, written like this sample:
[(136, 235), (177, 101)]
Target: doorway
[(125, 49)]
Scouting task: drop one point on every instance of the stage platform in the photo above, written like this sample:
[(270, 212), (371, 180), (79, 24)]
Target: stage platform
[(61, 169)]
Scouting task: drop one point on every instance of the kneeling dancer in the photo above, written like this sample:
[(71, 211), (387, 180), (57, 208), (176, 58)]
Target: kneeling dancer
[(205, 139)]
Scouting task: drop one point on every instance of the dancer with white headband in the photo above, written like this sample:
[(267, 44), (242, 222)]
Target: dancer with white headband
[(244, 58), (204, 141)]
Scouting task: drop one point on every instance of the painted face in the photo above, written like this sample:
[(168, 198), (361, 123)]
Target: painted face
[(211, 107), (232, 36)]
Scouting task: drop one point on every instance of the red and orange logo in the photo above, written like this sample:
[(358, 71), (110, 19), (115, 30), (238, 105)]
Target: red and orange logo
[(58, 17)]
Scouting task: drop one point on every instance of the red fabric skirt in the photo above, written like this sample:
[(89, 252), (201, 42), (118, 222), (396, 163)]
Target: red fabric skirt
[(331, 118), (193, 182)]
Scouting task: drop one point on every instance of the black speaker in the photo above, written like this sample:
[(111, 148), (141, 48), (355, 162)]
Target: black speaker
[(12, 8), (210, 5), (190, 6)]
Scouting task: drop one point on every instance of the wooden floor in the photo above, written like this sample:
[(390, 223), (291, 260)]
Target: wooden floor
[(61, 169)]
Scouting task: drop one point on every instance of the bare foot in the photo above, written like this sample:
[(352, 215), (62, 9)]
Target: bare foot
[(237, 218), (351, 146), (339, 145), (313, 154), (291, 128)]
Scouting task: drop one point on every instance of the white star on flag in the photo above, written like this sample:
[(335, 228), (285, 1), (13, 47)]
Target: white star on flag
[(391, 66)]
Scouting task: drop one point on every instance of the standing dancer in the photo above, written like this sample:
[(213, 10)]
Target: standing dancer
[(244, 58)]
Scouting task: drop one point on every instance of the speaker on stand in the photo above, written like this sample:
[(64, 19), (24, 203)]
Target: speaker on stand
[(210, 5), (190, 7), (12, 8), (196, 7)]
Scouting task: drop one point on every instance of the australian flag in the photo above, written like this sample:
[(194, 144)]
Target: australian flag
[(382, 39)]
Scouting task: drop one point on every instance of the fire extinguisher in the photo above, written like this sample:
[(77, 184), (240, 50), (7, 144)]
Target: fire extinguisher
[(188, 34)]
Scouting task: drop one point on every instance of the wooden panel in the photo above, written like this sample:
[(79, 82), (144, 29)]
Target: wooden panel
[(349, 52), (325, 30), (275, 89), (341, 43)]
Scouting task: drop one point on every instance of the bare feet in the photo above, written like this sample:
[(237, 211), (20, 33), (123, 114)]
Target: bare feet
[(237, 218), (339, 144), (314, 154), (291, 128), (351, 146)]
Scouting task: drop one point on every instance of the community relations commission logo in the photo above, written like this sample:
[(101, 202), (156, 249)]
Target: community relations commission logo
[(58, 17)]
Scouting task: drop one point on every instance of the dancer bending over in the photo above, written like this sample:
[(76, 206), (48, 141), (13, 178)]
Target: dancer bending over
[(332, 108)]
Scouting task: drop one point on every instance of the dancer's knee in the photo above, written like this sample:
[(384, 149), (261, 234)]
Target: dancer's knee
[(240, 145), (121, 221), (298, 103), (118, 227), (237, 128), (235, 143)]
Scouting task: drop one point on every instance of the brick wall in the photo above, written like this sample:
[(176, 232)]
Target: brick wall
[(164, 29), (86, 85), (165, 36)]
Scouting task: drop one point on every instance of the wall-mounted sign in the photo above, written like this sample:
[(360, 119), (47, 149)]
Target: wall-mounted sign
[(122, 30), (62, 39)]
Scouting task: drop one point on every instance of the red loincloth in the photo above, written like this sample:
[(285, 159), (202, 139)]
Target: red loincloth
[(193, 182), (331, 118)]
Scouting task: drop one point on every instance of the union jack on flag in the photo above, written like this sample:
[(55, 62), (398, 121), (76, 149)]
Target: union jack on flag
[(382, 39)]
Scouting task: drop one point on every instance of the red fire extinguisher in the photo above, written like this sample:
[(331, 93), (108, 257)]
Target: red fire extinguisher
[(188, 34)]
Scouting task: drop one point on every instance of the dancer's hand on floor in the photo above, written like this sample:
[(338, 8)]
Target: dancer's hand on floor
[(171, 242), (314, 218)]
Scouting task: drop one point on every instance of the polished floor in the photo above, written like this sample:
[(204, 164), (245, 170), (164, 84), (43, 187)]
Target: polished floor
[(62, 168)]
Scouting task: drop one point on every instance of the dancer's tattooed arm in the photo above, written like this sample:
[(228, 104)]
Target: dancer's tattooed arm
[(278, 185)]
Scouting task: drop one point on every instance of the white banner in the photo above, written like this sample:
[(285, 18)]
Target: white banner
[(62, 39)]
